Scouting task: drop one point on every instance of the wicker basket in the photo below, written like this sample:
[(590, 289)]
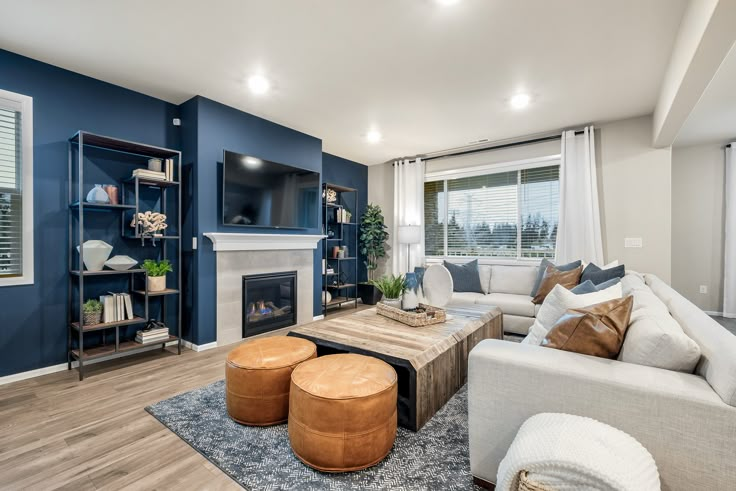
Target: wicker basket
[(526, 484), (432, 315), (91, 318)]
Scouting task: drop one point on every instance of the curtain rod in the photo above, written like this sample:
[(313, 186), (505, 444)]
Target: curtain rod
[(493, 147)]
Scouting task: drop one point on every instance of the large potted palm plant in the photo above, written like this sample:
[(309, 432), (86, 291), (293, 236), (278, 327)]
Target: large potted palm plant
[(373, 236)]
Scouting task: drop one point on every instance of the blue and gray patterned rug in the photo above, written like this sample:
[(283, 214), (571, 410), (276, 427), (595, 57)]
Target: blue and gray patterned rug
[(258, 458)]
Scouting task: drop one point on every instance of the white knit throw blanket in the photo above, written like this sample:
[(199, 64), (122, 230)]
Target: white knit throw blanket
[(573, 453)]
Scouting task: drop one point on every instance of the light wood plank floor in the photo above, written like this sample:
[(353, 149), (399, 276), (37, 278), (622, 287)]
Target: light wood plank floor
[(59, 433)]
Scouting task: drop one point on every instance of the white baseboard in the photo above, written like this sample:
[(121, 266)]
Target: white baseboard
[(711, 312), (198, 347), (318, 317), (17, 377)]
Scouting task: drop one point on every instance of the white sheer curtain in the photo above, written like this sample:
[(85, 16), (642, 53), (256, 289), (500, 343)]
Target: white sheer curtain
[(729, 247), (408, 210), (579, 229)]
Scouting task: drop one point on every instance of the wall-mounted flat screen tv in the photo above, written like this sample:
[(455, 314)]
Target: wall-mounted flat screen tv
[(261, 193)]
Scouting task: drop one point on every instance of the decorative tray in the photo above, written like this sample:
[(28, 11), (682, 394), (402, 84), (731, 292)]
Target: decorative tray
[(426, 316)]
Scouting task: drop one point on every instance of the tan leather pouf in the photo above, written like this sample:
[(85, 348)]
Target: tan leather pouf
[(342, 412), (257, 378)]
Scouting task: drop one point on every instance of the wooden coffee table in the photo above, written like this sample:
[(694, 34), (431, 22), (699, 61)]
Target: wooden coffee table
[(431, 362)]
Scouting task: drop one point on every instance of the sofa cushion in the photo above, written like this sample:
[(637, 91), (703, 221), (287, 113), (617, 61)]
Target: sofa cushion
[(510, 303), (513, 279), (484, 271), (459, 298), (543, 268), (717, 345), (596, 330), (465, 277), (554, 276), (558, 301), (598, 275), (588, 286)]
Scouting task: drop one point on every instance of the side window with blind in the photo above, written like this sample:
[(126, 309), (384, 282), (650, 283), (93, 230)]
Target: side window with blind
[(16, 212), (510, 214)]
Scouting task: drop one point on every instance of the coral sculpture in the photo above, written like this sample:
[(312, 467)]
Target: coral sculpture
[(150, 222)]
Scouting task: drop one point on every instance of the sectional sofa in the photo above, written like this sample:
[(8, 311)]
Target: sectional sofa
[(687, 421)]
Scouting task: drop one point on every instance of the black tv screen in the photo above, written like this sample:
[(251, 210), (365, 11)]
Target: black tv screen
[(261, 193)]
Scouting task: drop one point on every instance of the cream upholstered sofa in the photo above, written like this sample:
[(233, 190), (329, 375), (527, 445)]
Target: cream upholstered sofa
[(687, 421), (506, 287)]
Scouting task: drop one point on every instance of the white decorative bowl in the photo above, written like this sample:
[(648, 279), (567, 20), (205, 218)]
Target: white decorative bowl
[(96, 253), (120, 263)]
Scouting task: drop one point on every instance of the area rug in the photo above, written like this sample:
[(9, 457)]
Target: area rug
[(436, 457)]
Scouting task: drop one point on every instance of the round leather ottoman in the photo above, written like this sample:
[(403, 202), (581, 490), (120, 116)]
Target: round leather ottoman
[(342, 412), (257, 378)]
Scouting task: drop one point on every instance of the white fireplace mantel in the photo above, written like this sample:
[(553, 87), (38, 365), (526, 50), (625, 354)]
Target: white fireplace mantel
[(262, 242)]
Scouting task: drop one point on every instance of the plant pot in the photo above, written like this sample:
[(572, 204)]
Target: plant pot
[(392, 302), (369, 294), (156, 283), (92, 318)]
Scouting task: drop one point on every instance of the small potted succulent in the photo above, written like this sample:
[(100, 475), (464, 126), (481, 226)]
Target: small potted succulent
[(392, 288), (157, 273), (92, 311)]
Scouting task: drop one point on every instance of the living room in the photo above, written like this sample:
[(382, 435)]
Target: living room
[(435, 244)]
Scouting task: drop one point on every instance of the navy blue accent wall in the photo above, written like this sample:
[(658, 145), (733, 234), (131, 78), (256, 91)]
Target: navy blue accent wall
[(33, 330), (218, 128), (337, 170)]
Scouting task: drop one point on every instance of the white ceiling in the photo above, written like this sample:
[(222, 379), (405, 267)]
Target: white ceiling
[(713, 119), (427, 76)]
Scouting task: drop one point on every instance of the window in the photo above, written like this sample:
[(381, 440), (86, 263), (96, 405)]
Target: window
[(510, 214), (16, 189)]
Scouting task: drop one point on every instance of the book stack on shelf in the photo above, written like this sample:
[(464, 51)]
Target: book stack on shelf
[(153, 336), (151, 175), (116, 307)]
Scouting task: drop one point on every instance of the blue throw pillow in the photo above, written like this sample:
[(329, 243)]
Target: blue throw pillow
[(465, 277), (543, 267), (588, 286), (598, 275)]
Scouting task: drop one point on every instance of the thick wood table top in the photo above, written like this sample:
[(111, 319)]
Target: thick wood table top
[(369, 331)]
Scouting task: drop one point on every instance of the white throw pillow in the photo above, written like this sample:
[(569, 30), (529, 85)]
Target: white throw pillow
[(559, 300)]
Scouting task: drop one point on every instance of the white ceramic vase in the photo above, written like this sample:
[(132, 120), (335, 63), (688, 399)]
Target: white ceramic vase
[(392, 302), (121, 263), (98, 195), (96, 253), (409, 300), (156, 283)]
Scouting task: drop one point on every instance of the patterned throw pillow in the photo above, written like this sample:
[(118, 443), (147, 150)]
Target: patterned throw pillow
[(597, 330)]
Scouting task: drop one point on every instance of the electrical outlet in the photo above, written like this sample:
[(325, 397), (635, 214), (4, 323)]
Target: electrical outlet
[(636, 242), (194, 243), (703, 289)]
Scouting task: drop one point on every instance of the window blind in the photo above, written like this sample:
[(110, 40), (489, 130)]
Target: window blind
[(11, 210), (510, 214)]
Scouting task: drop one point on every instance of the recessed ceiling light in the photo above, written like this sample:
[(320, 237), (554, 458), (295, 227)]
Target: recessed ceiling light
[(373, 136), (520, 101), (259, 84)]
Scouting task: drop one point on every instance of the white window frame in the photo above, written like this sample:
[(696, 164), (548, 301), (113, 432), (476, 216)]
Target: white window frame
[(482, 170), (24, 104)]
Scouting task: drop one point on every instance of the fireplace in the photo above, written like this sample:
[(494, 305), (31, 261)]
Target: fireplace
[(269, 302)]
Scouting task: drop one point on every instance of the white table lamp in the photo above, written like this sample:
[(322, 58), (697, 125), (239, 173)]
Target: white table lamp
[(409, 234)]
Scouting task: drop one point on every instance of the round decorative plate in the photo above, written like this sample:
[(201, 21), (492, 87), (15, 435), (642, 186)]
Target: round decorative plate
[(437, 285)]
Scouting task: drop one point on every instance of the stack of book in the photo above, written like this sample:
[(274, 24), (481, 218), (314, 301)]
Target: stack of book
[(116, 307), (153, 336), (169, 169), (150, 175)]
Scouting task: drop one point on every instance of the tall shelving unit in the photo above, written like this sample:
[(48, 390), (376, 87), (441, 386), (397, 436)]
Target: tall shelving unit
[(345, 233), (125, 155)]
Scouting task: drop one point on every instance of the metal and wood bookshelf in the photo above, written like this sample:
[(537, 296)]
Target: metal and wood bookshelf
[(342, 283), (114, 159)]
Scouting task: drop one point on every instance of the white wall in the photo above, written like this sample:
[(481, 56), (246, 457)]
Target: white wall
[(698, 174), (635, 192), (381, 192)]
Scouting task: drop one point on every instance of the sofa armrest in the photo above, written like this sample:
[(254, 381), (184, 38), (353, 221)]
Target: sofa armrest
[(683, 423)]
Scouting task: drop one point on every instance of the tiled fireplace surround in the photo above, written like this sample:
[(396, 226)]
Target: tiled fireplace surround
[(246, 254)]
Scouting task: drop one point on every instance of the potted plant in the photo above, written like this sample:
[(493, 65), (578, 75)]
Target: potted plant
[(373, 236), (157, 273), (92, 311), (392, 288)]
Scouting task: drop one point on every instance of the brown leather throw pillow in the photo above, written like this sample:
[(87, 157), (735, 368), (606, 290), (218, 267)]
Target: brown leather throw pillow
[(553, 276), (597, 330)]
